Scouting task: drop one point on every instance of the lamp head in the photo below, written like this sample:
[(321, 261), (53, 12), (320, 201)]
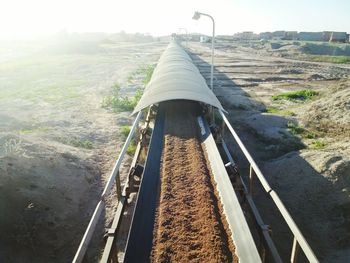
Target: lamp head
[(196, 16)]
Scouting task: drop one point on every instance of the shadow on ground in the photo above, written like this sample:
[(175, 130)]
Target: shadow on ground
[(306, 193)]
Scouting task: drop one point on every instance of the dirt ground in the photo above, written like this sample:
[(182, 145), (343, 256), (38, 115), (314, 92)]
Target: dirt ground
[(57, 143), (308, 167), (189, 226)]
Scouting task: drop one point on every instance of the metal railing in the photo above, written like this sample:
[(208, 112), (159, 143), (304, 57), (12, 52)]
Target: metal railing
[(113, 178), (299, 241)]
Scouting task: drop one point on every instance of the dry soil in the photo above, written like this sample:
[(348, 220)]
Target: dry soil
[(189, 225)]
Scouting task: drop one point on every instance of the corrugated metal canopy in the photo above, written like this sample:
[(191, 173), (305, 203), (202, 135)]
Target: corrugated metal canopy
[(174, 78)]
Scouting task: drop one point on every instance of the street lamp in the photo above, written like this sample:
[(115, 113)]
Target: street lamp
[(196, 16)]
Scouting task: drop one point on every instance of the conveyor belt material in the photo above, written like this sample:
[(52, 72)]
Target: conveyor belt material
[(193, 214)]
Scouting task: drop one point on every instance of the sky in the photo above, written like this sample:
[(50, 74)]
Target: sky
[(26, 18)]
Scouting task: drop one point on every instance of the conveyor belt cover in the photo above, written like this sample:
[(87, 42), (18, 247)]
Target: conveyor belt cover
[(174, 78)]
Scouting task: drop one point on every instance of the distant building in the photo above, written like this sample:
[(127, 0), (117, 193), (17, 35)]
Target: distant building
[(246, 35), (295, 35), (290, 35), (310, 36), (338, 37), (279, 34), (327, 35), (265, 35)]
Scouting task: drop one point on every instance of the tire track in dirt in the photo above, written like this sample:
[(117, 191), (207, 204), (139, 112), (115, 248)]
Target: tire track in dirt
[(189, 225)]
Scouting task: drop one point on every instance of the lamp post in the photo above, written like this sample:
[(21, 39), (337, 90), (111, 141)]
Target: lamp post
[(196, 16)]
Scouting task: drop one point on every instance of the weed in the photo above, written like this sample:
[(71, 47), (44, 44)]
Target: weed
[(295, 128), (33, 130), (132, 148), (75, 142), (147, 71), (331, 59), (296, 95), (318, 144), (26, 131), (121, 103), (130, 77), (87, 144), (125, 130), (310, 135), (279, 112)]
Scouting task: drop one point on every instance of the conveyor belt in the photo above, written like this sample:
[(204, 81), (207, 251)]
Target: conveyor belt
[(141, 237)]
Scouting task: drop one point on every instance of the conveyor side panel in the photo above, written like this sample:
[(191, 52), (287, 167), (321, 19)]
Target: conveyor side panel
[(141, 232)]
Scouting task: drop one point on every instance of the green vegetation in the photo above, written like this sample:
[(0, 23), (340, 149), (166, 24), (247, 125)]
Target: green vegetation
[(33, 130), (125, 130), (331, 59), (318, 144), (145, 71), (26, 131), (75, 142), (296, 95), (120, 103), (132, 148), (295, 128), (310, 135), (277, 111)]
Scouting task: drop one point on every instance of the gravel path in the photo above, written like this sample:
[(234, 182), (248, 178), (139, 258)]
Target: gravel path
[(189, 224)]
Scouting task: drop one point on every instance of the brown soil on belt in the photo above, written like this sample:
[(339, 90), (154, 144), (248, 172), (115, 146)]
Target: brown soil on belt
[(189, 224)]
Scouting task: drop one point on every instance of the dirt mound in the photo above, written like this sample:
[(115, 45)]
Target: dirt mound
[(189, 225), (41, 190), (331, 114), (315, 189)]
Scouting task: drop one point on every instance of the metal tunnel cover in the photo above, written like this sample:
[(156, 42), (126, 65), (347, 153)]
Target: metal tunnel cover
[(176, 77)]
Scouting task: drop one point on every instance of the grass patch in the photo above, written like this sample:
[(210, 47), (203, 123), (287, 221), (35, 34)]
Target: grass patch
[(131, 148), (125, 130), (26, 131), (147, 71), (120, 103), (295, 128), (296, 95), (277, 111), (318, 144), (78, 143), (331, 59), (144, 72)]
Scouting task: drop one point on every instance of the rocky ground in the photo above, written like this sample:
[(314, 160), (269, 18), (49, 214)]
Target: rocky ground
[(302, 146), (57, 143)]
